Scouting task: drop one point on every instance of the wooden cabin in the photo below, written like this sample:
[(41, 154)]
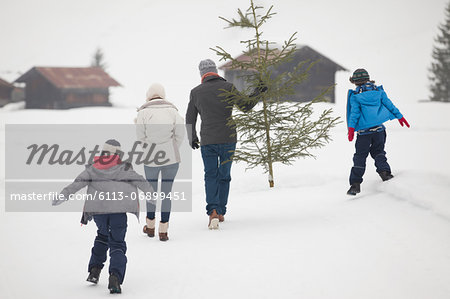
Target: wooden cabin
[(66, 87), (6, 90), (321, 75)]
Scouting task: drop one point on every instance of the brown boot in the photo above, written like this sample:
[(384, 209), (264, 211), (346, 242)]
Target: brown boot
[(149, 229), (221, 218), (162, 230), (213, 220)]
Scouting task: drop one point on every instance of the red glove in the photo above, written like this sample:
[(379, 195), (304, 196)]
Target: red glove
[(351, 133), (403, 122)]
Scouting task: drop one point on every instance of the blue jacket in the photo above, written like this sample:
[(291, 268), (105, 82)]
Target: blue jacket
[(369, 108)]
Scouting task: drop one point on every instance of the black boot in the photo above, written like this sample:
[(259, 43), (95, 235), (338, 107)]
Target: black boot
[(385, 175), (94, 274), (354, 189), (114, 285)]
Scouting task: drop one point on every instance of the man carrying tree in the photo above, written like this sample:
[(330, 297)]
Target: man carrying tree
[(218, 137)]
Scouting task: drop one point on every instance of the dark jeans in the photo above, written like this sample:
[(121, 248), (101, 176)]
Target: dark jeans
[(371, 143), (168, 173), (110, 235), (217, 163)]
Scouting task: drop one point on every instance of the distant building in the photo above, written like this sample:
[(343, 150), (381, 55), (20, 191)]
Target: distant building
[(66, 87), (6, 89), (321, 75)]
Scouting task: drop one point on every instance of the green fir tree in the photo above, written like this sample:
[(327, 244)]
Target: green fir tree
[(440, 67), (277, 130)]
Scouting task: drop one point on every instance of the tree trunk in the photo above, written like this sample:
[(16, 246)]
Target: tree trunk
[(266, 121), (269, 146)]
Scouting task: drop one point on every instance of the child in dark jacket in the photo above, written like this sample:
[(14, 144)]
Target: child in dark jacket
[(368, 107), (112, 186)]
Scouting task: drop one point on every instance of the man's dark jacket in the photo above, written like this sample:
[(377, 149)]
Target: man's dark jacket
[(215, 109)]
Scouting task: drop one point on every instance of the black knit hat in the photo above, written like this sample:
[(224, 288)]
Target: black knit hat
[(360, 76)]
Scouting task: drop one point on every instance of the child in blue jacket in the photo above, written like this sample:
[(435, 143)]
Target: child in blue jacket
[(368, 107)]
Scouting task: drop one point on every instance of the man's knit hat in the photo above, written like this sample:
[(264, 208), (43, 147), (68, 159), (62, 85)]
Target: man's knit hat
[(207, 66), (112, 146), (360, 76), (156, 90)]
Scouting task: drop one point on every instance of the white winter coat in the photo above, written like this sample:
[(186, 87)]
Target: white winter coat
[(158, 122)]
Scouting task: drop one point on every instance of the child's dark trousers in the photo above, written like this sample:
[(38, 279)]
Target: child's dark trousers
[(110, 235), (372, 143)]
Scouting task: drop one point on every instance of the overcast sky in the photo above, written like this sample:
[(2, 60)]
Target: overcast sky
[(162, 41)]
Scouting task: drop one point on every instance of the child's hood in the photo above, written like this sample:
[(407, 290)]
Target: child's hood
[(369, 98)]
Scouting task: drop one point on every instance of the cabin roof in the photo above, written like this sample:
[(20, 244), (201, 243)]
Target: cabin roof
[(72, 77), (244, 58), (4, 83)]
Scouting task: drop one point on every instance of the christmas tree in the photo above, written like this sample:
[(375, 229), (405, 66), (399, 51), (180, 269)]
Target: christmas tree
[(440, 67), (277, 129)]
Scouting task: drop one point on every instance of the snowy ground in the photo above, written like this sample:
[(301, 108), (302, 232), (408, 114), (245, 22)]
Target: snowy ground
[(304, 239)]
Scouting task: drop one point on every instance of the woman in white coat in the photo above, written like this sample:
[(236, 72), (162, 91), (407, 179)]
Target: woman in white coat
[(160, 126)]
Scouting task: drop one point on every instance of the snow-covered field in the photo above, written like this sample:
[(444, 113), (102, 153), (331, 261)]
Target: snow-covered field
[(303, 239)]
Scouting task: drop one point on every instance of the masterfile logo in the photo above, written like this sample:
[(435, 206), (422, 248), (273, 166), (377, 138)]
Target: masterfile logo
[(43, 159)]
